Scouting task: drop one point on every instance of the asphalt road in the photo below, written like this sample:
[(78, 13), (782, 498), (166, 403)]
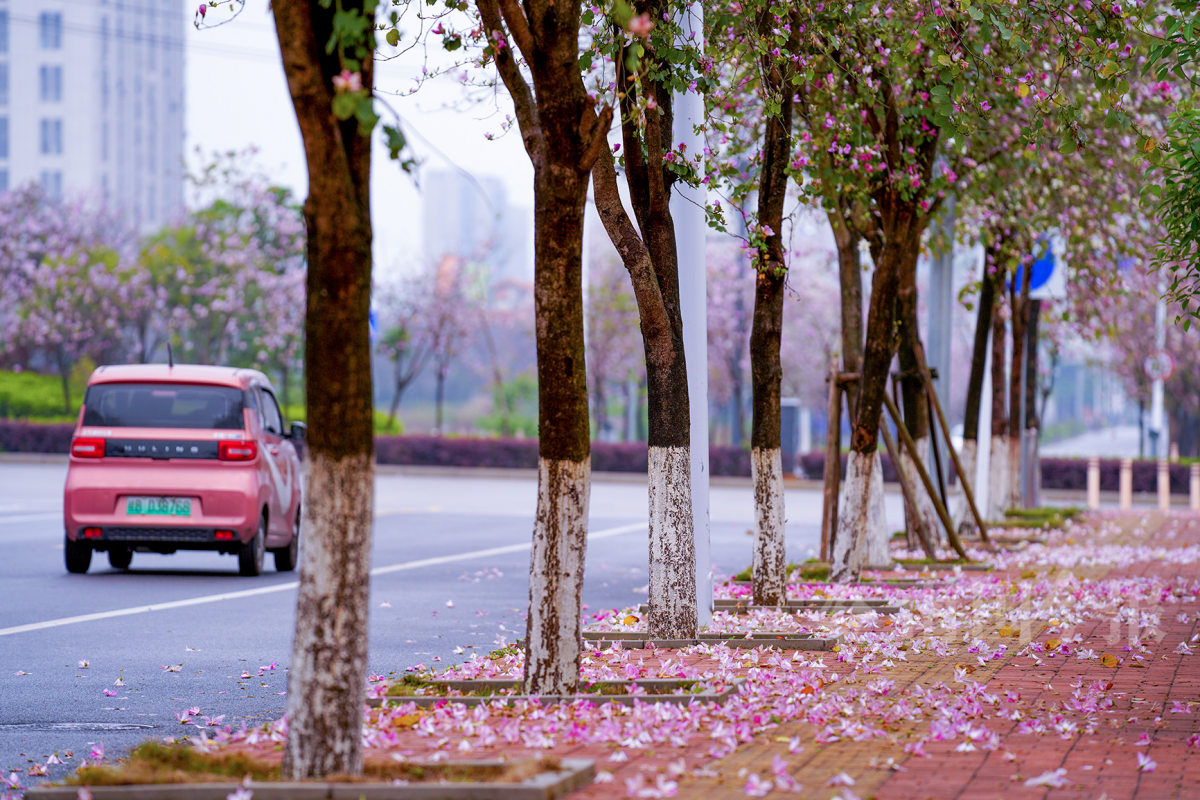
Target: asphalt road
[(441, 585)]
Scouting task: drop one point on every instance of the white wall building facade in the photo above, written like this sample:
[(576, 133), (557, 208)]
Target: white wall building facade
[(91, 101)]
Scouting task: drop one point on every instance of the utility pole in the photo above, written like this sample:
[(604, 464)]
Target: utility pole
[(939, 332), (687, 209)]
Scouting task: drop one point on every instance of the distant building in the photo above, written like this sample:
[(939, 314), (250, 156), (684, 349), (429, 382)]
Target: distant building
[(91, 100), (472, 221)]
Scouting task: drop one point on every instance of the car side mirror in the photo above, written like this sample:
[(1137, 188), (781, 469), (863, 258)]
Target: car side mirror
[(299, 431)]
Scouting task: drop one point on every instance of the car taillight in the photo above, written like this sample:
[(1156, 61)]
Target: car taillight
[(225, 536), (237, 451), (87, 448), (92, 533)]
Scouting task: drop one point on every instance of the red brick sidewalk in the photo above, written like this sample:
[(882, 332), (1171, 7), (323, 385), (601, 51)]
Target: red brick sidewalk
[(1046, 678)]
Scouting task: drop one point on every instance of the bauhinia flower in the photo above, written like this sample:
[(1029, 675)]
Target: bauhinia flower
[(348, 81)]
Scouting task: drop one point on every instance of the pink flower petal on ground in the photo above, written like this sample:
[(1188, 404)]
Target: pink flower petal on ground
[(1145, 762), (1055, 778), (757, 787), (841, 779)]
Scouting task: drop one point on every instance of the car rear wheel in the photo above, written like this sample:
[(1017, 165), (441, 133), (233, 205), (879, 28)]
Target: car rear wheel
[(250, 557), (286, 558), (78, 556), (119, 556)]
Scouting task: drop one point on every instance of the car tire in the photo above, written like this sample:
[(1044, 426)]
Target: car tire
[(119, 556), (286, 558), (78, 556), (250, 556)]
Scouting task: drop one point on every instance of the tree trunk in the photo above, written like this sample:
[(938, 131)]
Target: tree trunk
[(439, 394), (970, 447), (737, 409), (1032, 422), (563, 136), (652, 262), (916, 408), (855, 509), (1016, 384), (850, 280), (998, 468), (327, 674), (766, 369), (64, 374), (552, 649)]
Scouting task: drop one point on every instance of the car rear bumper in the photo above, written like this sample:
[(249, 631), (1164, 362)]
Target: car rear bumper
[(225, 497), (160, 538)]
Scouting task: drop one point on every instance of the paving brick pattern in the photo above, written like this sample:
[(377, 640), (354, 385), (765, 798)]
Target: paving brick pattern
[(1032, 712)]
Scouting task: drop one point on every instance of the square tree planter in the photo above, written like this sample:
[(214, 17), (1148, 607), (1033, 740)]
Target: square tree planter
[(575, 773), (480, 692)]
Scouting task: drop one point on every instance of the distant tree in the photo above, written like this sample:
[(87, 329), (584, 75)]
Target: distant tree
[(68, 281), (405, 341), (614, 347)]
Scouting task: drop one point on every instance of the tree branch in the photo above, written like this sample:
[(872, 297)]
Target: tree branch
[(652, 310), (518, 25), (506, 64)]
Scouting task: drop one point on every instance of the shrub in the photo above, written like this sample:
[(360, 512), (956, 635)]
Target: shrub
[(35, 437)]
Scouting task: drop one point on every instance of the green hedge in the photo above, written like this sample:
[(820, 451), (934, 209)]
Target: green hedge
[(28, 395)]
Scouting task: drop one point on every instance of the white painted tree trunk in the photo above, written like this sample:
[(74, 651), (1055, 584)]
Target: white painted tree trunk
[(998, 478), (855, 510), (328, 670), (673, 613), (554, 633), (879, 550), (963, 521), (770, 559), (928, 514), (1014, 471)]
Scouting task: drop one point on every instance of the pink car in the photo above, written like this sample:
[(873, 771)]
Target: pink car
[(187, 457)]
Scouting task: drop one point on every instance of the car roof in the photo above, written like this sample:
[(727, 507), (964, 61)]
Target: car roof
[(179, 373)]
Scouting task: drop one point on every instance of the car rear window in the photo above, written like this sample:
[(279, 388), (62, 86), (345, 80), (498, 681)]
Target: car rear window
[(152, 405)]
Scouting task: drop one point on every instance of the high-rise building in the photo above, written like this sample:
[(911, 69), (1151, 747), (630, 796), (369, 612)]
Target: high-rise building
[(91, 100), (472, 220)]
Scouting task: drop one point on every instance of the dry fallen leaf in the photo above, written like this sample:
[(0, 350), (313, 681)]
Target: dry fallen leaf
[(630, 620), (1007, 630), (968, 667), (1028, 575), (1109, 660), (1053, 644)]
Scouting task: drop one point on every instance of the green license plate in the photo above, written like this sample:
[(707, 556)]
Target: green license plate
[(159, 506)]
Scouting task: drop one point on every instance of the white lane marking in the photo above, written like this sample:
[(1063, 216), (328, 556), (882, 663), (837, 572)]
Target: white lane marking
[(284, 587), (31, 517)]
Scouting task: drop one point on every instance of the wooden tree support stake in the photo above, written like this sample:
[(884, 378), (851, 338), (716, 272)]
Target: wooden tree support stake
[(909, 495), (906, 439), (945, 426), (833, 463)]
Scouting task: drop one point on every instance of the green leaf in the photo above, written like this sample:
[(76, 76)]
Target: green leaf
[(393, 37), (395, 140), (1068, 145), (365, 113), (344, 105)]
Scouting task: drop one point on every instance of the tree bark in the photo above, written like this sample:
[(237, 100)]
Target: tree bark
[(916, 407), (998, 468), (327, 674), (1032, 420), (766, 369), (651, 259), (563, 135), (1016, 386), (902, 226)]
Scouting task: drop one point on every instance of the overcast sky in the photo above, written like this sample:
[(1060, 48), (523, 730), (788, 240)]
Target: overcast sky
[(237, 97)]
